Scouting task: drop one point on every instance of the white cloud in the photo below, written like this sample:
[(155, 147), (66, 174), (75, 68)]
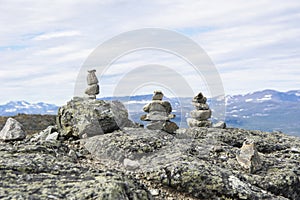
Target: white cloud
[(48, 36), (254, 44)]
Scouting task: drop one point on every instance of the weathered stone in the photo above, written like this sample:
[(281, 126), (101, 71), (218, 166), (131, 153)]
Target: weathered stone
[(167, 126), (219, 124), (170, 127), (197, 123), (82, 117), (92, 90), (158, 95), (131, 164), (91, 77), (199, 98), (155, 125), (201, 114), (160, 106), (248, 157), (156, 116), (200, 106), (41, 136), (12, 130), (52, 136)]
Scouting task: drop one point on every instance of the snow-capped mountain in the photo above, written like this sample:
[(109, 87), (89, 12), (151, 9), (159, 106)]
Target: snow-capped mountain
[(266, 110), (18, 107)]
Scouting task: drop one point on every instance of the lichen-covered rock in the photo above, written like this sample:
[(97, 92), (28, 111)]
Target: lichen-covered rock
[(34, 170), (83, 117), (201, 162), (12, 130)]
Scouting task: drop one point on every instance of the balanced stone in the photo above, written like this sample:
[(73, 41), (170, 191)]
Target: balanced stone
[(160, 106), (200, 106), (201, 114), (158, 95), (199, 98), (91, 77), (92, 90), (93, 87)]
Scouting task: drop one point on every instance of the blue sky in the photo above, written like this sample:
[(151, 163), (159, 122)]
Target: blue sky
[(254, 45)]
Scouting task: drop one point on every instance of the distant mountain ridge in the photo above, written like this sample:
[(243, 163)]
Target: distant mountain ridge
[(267, 110), (23, 107)]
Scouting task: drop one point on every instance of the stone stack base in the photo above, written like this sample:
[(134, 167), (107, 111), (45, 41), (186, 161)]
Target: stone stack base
[(167, 126), (199, 123)]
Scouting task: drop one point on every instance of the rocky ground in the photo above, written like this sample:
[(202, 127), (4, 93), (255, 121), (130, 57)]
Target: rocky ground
[(95, 152), (134, 163), (51, 169)]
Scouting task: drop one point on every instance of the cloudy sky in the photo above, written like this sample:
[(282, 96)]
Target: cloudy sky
[(254, 45)]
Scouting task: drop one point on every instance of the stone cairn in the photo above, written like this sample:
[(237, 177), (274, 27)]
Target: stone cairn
[(159, 114), (93, 87), (200, 116)]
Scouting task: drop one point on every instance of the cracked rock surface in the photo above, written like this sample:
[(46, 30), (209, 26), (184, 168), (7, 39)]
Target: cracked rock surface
[(137, 163), (56, 170)]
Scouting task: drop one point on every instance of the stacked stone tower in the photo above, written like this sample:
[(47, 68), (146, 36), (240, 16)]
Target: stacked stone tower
[(93, 87), (159, 114), (200, 116)]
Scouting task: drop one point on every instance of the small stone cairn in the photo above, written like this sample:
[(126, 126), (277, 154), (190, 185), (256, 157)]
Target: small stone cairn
[(93, 87), (200, 116), (159, 114)]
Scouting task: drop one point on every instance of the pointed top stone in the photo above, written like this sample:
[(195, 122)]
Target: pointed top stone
[(12, 130), (158, 95), (199, 98), (91, 77)]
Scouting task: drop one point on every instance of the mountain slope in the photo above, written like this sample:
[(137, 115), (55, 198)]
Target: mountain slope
[(267, 110)]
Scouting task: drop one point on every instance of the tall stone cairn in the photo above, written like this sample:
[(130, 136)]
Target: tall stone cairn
[(159, 114), (200, 116), (93, 87)]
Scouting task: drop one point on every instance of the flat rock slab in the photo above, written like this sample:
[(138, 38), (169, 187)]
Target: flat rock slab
[(45, 171), (201, 162), (201, 114)]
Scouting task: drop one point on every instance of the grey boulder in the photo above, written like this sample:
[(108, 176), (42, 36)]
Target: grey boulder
[(83, 117), (12, 130)]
